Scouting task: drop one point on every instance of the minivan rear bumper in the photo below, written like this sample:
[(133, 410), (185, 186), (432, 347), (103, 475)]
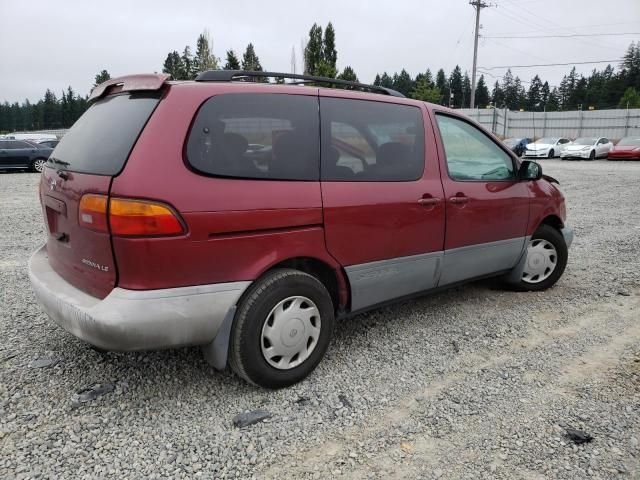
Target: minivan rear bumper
[(128, 320)]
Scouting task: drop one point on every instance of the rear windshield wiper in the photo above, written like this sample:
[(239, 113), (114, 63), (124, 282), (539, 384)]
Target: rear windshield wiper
[(59, 162)]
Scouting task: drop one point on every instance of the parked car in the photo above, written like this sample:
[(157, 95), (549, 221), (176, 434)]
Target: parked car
[(546, 147), (587, 148), (628, 148), (49, 143), (517, 145), (23, 155), (254, 252)]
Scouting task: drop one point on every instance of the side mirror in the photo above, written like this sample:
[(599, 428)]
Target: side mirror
[(530, 171)]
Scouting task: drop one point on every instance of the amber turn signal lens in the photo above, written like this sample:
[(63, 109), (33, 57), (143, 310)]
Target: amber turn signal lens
[(142, 218), (93, 212)]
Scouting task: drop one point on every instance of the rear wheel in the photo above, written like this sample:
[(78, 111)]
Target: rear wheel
[(546, 259), (551, 154), (38, 165), (282, 329)]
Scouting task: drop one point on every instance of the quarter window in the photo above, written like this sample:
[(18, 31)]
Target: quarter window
[(472, 155), (267, 136), (364, 141)]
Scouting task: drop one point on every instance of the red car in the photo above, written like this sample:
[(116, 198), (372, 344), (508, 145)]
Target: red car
[(628, 148), (246, 217)]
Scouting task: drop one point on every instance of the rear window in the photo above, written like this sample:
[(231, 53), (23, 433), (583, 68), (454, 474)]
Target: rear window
[(263, 136), (365, 141), (100, 141)]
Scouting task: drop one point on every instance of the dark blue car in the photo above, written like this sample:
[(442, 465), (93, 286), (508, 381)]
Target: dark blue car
[(517, 145), (22, 155)]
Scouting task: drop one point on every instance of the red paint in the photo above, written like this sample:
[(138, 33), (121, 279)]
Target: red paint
[(624, 152), (237, 229)]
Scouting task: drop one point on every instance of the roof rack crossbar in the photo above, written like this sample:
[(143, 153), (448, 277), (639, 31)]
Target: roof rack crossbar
[(230, 75)]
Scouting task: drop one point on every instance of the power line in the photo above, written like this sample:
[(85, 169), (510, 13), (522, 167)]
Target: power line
[(549, 64), (565, 36)]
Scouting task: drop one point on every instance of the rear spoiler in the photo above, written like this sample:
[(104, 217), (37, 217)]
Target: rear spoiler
[(129, 83)]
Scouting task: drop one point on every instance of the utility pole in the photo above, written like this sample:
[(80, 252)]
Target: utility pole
[(478, 5)]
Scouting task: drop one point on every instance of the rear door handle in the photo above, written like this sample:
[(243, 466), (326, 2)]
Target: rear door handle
[(459, 200), (429, 202)]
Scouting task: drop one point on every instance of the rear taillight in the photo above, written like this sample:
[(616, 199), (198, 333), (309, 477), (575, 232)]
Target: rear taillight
[(127, 217)]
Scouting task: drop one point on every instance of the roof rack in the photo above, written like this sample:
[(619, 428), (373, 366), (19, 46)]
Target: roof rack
[(230, 75)]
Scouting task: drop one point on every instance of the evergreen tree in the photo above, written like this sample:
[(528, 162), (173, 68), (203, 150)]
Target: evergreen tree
[(630, 99), (403, 83), (251, 62), (482, 93), (554, 102), (232, 61), (173, 65), (386, 81), (441, 85), (534, 95), (51, 111), (329, 53), (455, 87), (424, 91), (466, 91), (102, 77), (313, 53), (497, 95), (378, 81), (544, 94), (349, 75), (204, 59), (187, 70)]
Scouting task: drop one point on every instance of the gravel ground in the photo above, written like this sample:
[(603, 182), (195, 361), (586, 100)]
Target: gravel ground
[(474, 382)]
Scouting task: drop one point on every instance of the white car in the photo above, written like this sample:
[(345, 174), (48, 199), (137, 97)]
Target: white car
[(547, 147), (588, 148)]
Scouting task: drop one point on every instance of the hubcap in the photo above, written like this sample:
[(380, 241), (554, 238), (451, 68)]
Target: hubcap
[(39, 165), (290, 332), (541, 261)]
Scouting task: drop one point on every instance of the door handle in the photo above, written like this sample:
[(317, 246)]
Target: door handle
[(429, 202), (459, 200)]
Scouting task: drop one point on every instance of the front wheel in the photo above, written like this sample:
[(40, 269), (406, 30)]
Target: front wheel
[(38, 165), (551, 154), (592, 155), (282, 329), (545, 261)]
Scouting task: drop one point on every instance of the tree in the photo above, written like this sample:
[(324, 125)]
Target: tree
[(232, 62), (377, 81), (497, 95), (386, 81), (441, 84), (534, 95), (466, 91), (51, 112), (553, 104), (403, 83), (187, 70), (425, 92), (102, 77), (251, 62), (313, 53), (329, 53), (482, 93), (173, 65), (630, 99), (349, 75), (204, 59), (455, 87)]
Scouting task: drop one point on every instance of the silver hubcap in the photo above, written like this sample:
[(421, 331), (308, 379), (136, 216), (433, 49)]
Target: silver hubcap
[(38, 165), (541, 261), (290, 333)]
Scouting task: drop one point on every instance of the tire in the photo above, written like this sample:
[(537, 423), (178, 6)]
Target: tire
[(592, 155), (551, 154), (545, 234), (38, 165), (264, 307)]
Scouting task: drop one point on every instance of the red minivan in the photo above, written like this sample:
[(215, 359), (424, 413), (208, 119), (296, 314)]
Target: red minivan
[(247, 216)]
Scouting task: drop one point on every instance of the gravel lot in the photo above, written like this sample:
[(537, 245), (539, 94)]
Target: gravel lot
[(474, 382)]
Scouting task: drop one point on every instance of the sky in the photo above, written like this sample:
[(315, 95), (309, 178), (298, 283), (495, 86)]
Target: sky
[(56, 44)]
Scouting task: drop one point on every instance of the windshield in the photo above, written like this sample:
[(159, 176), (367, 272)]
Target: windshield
[(585, 141), (546, 140), (100, 141), (629, 142)]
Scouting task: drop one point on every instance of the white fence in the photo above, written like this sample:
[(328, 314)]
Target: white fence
[(613, 124), (58, 133)]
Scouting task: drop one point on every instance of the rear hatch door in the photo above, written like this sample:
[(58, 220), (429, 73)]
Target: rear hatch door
[(84, 162)]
